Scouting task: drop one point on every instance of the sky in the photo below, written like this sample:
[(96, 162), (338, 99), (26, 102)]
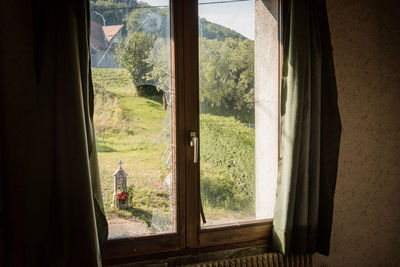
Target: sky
[(238, 16)]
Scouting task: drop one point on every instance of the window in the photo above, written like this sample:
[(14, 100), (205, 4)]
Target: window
[(186, 121)]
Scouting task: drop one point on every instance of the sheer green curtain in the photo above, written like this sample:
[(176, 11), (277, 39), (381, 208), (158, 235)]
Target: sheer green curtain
[(51, 210), (310, 132)]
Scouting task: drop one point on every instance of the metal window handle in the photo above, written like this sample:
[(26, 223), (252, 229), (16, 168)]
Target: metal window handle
[(194, 142)]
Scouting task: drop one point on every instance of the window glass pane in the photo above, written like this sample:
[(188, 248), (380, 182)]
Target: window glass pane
[(228, 180), (134, 118)]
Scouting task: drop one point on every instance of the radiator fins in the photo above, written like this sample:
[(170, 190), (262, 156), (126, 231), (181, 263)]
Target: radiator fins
[(261, 260)]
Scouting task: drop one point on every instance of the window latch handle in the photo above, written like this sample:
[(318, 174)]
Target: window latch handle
[(194, 142)]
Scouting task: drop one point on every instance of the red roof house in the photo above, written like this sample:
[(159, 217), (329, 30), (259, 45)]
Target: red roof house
[(102, 40)]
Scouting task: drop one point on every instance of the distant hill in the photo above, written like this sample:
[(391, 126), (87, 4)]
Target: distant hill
[(118, 12), (210, 30)]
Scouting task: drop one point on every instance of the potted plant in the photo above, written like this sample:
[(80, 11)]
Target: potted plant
[(121, 198)]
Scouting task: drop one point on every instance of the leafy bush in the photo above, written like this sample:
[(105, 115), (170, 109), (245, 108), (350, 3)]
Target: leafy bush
[(147, 90), (229, 146), (217, 191)]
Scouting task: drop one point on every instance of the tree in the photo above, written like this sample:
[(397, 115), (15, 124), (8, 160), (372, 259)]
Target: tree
[(226, 60), (134, 57), (144, 25), (227, 73), (211, 30), (145, 18), (113, 12)]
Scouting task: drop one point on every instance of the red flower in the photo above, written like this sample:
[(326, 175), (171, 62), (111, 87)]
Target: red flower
[(116, 194), (119, 197), (123, 197)]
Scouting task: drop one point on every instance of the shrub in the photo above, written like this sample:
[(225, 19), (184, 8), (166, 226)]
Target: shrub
[(147, 90), (229, 146), (217, 191)]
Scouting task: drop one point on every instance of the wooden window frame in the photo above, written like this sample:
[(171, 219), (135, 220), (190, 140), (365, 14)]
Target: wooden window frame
[(189, 237)]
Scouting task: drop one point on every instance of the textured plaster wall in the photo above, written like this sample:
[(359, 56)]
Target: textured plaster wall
[(266, 105), (366, 43)]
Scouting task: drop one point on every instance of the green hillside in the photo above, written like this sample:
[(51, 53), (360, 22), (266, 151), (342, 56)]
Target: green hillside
[(128, 128), (115, 12), (210, 30)]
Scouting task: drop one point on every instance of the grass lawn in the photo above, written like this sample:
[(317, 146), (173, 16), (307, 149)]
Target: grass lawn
[(130, 128)]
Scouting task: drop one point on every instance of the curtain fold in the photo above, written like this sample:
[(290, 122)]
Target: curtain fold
[(51, 209), (310, 133)]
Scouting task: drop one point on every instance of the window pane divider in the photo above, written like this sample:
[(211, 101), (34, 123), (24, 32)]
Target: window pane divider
[(191, 120)]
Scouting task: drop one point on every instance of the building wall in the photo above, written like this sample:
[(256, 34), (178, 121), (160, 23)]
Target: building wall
[(266, 84), (366, 223)]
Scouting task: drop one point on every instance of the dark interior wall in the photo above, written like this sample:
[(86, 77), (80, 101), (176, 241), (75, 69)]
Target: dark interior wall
[(366, 45)]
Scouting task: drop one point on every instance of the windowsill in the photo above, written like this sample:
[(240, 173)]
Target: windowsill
[(237, 225), (191, 256), (212, 240)]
